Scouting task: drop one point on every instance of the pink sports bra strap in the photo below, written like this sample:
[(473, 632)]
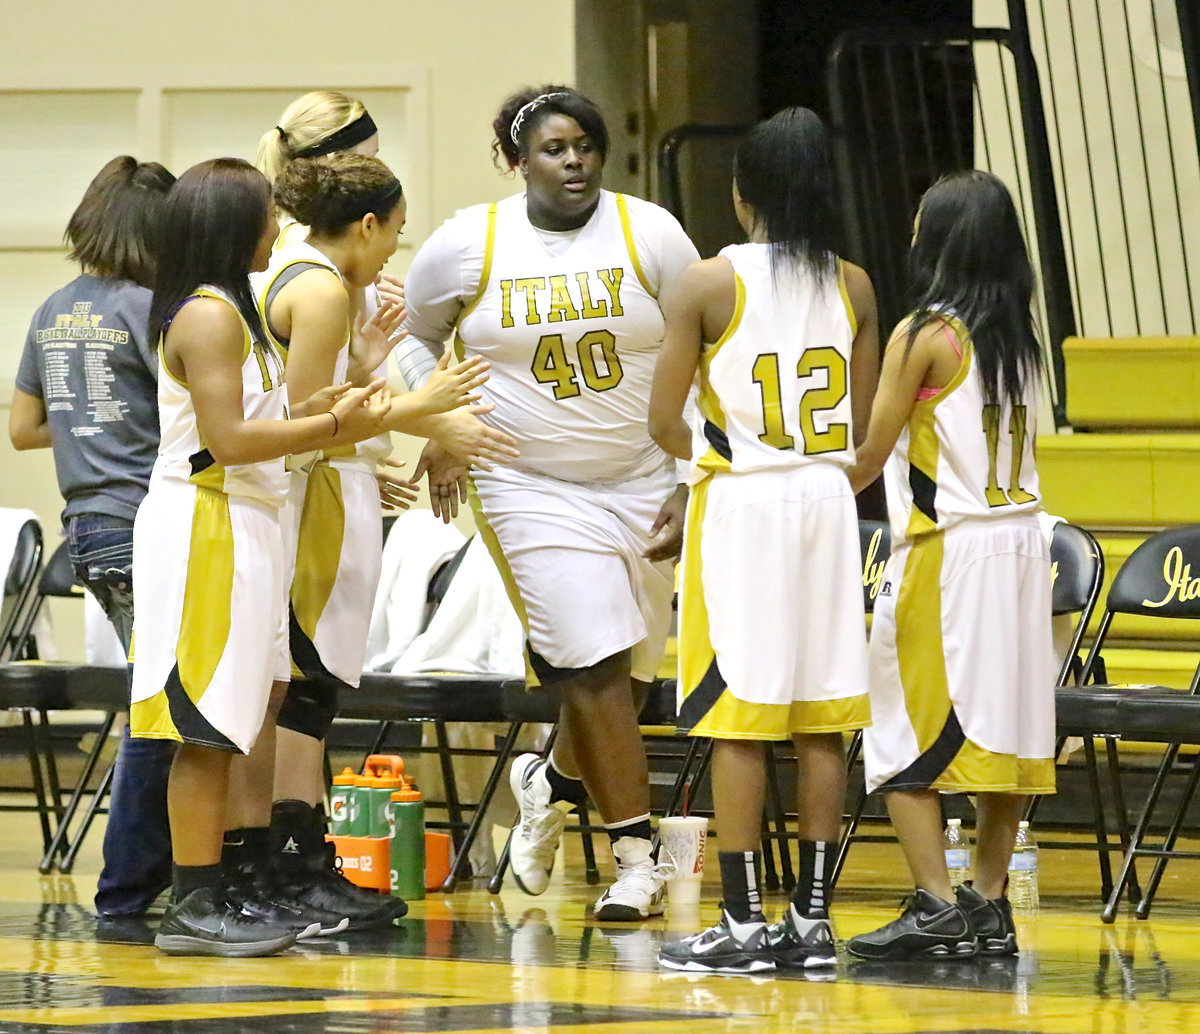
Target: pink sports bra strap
[(925, 394), (953, 339)]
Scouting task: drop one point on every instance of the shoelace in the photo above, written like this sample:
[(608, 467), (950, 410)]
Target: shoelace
[(540, 830), (646, 878)]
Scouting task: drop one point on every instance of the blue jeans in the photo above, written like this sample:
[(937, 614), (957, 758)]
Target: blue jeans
[(137, 842)]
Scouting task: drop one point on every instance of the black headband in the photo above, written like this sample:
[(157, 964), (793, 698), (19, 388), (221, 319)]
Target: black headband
[(362, 128)]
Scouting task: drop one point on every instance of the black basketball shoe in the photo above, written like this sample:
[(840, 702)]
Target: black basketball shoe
[(728, 947), (206, 923), (928, 927), (995, 932)]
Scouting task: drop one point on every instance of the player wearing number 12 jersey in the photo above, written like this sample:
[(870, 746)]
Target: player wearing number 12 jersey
[(772, 640), (557, 288), (962, 666)]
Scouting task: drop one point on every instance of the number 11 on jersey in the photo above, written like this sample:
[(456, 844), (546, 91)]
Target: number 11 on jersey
[(1018, 428)]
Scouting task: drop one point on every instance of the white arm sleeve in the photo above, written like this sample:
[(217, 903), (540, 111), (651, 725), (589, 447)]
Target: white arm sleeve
[(444, 275)]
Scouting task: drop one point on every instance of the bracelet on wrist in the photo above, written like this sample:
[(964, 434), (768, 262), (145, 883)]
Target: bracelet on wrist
[(336, 425)]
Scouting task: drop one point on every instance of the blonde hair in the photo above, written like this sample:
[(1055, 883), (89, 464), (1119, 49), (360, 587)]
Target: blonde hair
[(306, 121)]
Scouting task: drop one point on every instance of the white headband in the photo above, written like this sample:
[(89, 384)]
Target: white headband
[(528, 109)]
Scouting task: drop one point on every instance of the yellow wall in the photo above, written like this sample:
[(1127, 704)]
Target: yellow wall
[(81, 82)]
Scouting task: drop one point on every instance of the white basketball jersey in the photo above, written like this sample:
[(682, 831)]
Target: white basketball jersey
[(284, 262), (775, 389), (182, 454), (572, 339), (959, 458)]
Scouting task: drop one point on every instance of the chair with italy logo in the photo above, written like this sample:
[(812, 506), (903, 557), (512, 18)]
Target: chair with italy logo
[(1161, 579)]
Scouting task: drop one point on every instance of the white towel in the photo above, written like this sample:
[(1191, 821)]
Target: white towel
[(475, 629), (416, 547)]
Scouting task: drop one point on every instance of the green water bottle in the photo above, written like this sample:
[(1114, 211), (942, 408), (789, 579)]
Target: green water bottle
[(407, 812), (382, 774), (360, 813), (341, 799)]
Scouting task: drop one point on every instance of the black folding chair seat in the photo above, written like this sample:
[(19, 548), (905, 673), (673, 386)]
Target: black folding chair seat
[(1153, 582)]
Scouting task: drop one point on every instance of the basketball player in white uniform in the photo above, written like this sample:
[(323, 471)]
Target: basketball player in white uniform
[(962, 662), (321, 158), (772, 639), (209, 592), (557, 287)]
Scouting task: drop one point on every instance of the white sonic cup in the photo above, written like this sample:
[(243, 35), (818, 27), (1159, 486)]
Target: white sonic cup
[(682, 841)]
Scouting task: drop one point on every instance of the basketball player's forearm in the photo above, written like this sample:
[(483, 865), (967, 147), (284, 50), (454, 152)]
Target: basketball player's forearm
[(673, 437)]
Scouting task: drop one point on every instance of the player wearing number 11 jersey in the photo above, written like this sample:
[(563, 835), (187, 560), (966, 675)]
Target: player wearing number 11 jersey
[(962, 666)]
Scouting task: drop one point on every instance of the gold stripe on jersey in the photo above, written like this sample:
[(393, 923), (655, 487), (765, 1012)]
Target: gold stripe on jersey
[(707, 706), (946, 759), (205, 625), (631, 246), (489, 250), (707, 400), (318, 547), (506, 576), (845, 293), (206, 620), (924, 449)]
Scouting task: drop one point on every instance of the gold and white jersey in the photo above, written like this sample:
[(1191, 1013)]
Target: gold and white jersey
[(961, 458), (182, 453), (572, 334), (289, 261), (775, 388)]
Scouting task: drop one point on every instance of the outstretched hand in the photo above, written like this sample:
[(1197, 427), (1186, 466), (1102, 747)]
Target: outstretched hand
[(472, 443), (373, 339), (395, 493), (447, 478), (449, 386)]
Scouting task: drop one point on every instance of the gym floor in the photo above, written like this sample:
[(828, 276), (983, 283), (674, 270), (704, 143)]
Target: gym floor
[(475, 962)]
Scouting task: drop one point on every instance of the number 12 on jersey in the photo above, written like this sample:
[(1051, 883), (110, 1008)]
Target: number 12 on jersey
[(835, 437)]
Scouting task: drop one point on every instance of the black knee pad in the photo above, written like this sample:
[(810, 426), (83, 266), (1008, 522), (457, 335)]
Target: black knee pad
[(309, 707)]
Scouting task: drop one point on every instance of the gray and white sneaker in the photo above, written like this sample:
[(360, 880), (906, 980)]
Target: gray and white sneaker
[(728, 947), (801, 943), (539, 828), (638, 892)]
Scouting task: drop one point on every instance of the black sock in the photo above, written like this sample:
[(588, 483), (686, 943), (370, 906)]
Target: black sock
[(246, 851), (814, 882), (187, 878), (639, 828), (564, 788), (741, 876)]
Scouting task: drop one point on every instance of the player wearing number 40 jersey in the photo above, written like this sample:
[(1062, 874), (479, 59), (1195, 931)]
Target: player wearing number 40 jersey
[(557, 288), (961, 656)]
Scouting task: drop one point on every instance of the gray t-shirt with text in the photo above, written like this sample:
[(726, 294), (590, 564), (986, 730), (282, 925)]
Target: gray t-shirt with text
[(87, 359)]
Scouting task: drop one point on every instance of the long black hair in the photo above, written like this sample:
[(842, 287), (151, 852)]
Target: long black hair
[(112, 230), (533, 104), (785, 171), (968, 258), (211, 223)]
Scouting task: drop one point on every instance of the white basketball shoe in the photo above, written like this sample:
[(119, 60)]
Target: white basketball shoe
[(539, 828)]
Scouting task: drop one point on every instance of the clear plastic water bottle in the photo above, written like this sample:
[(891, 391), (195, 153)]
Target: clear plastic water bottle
[(958, 852), (1023, 872)]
